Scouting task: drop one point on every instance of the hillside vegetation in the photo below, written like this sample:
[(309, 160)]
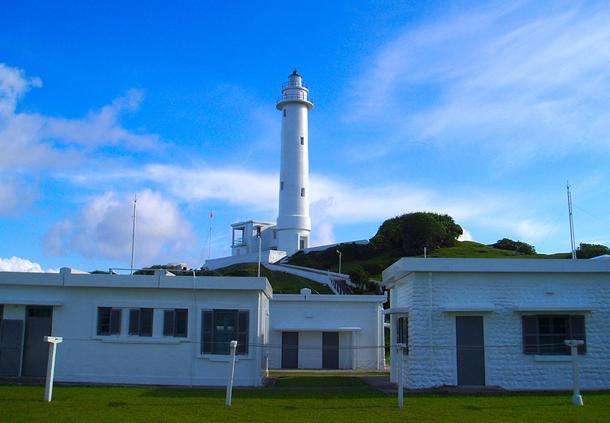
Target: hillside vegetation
[(406, 236)]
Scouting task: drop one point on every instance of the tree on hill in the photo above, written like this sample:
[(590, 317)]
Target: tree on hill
[(518, 246), (411, 232), (586, 251)]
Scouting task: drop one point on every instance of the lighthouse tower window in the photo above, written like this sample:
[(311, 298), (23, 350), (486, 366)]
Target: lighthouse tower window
[(284, 112), (281, 185), (302, 192), (302, 140)]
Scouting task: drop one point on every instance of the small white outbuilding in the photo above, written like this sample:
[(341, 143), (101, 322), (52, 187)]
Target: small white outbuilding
[(499, 322), (313, 331)]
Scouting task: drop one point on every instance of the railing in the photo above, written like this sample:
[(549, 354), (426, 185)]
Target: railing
[(287, 85), (302, 96)]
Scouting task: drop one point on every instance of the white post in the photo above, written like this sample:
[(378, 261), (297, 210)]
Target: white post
[(267, 365), (229, 396), (401, 381), (48, 388), (573, 344)]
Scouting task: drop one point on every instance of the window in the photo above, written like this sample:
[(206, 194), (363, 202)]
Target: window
[(274, 234), (402, 331), (220, 326), (175, 323), (281, 185), (284, 112), (302, 140), (108, 321), (303, 243), (141, 321), (302, 192), (545, 334)]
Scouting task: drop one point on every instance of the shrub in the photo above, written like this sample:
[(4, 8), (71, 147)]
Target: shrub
[(518, 246), (586, 251), (358, 275)]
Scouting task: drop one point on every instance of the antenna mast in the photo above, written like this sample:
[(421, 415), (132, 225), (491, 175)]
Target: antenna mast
[(572, 243), (133, 232), (211, 216)]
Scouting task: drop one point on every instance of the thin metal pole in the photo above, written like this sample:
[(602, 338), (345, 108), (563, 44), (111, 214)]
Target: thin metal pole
[(571, 216), (211, 216), (229, 396), (401, 381), (576, 396), (133, 232), (48, 388)]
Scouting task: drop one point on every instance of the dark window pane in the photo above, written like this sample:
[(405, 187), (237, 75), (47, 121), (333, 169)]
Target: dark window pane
[(103, 321), (530, 334), (146, 322), (181, 325), (168, 323), (242, 337), (225, 330), (207, 331), (134, 321), (115, 321)]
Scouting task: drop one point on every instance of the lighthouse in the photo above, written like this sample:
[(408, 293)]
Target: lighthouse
[(293, 222)]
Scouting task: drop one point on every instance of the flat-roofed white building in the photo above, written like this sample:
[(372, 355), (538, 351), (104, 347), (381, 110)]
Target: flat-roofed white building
[(134, 329), (311, 331), (499, 322)]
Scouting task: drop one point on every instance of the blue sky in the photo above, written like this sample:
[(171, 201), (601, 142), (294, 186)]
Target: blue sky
[(482, 112)]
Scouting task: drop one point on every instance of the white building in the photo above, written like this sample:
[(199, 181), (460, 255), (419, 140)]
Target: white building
[(175, 330), (292, 230), (326, 331), (500, 322), (154, 329)]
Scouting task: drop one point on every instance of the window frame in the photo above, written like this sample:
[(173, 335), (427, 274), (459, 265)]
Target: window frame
[(548, 343), (142, 315), (170, 326), (114, 321), (209, 332)]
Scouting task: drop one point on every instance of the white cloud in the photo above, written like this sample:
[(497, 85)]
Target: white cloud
[(528, 81), (333, 202), (14, 194), (466, 236), (102, 228), (34, 141), (18, 264)]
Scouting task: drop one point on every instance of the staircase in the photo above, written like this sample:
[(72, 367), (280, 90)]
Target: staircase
[(339, 283)]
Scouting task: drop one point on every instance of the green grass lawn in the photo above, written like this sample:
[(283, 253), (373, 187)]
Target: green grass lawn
[(294, 398)]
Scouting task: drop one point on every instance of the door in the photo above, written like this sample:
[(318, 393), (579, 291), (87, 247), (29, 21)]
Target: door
[(330, 350), (11, 335), (470, 350), (35, 350), (290, 350)]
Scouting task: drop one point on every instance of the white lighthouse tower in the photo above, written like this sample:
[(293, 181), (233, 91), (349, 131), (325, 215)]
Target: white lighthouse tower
[(293, 222)]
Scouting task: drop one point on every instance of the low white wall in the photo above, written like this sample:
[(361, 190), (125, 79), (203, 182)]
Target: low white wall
[(432, 357)]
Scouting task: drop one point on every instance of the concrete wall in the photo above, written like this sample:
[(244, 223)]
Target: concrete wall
[(86, 357), (434, 300), (311, 315)]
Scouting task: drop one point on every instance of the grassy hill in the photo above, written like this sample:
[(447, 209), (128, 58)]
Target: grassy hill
[(374, 261), (282, 283)]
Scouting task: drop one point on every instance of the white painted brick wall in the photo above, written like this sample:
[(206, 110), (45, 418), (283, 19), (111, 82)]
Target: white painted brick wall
[(432, 358)]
